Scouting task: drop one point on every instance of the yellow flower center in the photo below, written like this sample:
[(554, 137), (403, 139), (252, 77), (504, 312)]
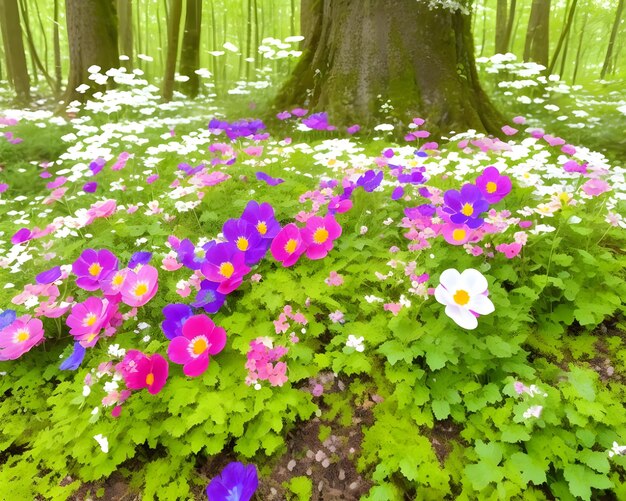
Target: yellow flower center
[(243, 244), (332, 161), (150, 379), (467, 210), (291, 246), (95, 269), (491, 187), (261, 227), (200, 253), (118, 279), (459, 234), (461, 297), (22, 336), (140, 289), (89, 320), (320, 236), (227, 269), (200, 345)]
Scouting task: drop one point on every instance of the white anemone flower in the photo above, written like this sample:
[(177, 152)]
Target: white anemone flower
[(464, 294)]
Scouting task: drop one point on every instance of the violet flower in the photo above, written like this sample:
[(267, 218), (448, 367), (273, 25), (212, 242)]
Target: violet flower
[(237, 482)]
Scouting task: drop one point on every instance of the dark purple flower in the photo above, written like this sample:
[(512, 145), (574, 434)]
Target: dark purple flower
[(272, 181), (261, 216), (397, 193), (22, 235), (73, 362), (141, 257), (423, 191), (92, 266), (7, 317), (465, 206), (318, 121), (191, 256), (175, 316), (189, 170), (90, 187), (416, 176), (246, 238), (152, 178), (208, 297), (237, 482), (97, 165), (492, 185), (332, 183), (49, 276), (421, 154), (370, 180)]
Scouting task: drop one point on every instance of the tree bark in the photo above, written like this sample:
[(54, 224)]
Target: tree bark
[(356, 51), (32, 49), (501, 27), (580, 47), (537, 46), (92, 36), (564, 32), (125, 42), (17, 68), (173, 34), (609, 51), (56, 41), (509, 25), (190, 52)]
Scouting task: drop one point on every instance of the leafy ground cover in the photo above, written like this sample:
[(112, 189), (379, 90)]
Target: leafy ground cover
[(352, 364)]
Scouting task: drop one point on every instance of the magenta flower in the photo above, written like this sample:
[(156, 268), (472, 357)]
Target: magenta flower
[(92, 266), (288, 245), (226, 266), (456, 234), (319, 235), (19, 337), (148, 371), (493, 186), (200, 339), (140, 287), (86, 320), (113, 282), (22, 235)]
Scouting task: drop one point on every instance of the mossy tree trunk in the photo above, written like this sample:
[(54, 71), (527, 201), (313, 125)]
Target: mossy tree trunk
[(17, 69), (190, 51), (359, 54), (92, 35), (537, 45)]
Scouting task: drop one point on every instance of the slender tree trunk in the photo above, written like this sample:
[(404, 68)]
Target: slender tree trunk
[(580, 46), (92, 36), (501, 26), (609, 51), (56, 42), (32, 49), (14, 49), (538, 35), (249, 40), (509, 24), (125, 42), (484, 37), (44, 37), (358, 51), (564, 32), (190, 52), (173, 34)]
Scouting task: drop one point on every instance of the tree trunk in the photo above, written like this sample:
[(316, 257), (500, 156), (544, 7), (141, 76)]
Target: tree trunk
[(56, 41), (190, 52), (17, 69), (609, 51), (564, 32), (509, 25), (580, 46), (92, 36), (173, 32), (359, 50), (538, 35), (32, 49), (125, 42), (501, 27)]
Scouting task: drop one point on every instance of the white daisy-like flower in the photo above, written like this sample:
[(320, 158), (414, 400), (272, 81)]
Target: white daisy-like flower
[(617, 450), (355, 342), (103, 442), (464, 295)]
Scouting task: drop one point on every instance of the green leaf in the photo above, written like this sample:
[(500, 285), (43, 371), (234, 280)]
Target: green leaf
[(483, 473), (302, 487), (594, 459), (530, 469), (441, 409), (581, 480)]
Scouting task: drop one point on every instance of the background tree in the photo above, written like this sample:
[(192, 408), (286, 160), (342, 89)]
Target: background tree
[(92, 35), (606, 67), (190, 51), (420, 59), (564, 36), (173, 34), (17, 70), (537, 47), (125, 19)]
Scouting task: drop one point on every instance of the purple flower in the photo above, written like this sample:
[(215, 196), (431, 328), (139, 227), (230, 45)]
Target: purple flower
[(97, 165), (353, 129), (3, 187), (93, 265), (208, 297), (421, 154), (283, 115), (191, 256), (272, 181), (90, 187), (152, 178), (175, 316), (73, 362), (22, 235), (370, 180), (492, 185), (141, 257), (237, 482), (49, 276), (299, 112), (7, 317), (189, 170), (397, 193), (416, 176), (318, 121), (465, 206), (261, 216), (246, 238)]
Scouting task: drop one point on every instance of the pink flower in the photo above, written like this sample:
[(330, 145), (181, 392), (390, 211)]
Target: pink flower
[(509, 250), (319, 235), (393, 308), (509, 131), (86, 320), (256, 278), (456, 234), (170, 263), (334, 279), (148, 371), (19, 337), (200, 338), (595, 187), (225, 265), (288, 245), (519, 120), (337, 317), (139, 287)]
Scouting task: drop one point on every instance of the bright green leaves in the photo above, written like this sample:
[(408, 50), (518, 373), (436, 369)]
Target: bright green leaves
[(582, 479)]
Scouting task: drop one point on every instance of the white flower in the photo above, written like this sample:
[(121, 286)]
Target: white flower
[(463, 294), (617, 450), (86, 391), (534, 411), (355, 342), (115, 351), (103, 442), (373, 299)]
